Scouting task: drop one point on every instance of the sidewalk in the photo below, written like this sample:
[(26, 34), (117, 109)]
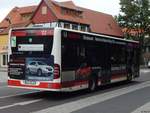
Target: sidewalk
[(145, 70), (3, 76)]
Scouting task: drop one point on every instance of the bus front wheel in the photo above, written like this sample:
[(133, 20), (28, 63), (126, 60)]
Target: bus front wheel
[(92, 84), (129, 77)]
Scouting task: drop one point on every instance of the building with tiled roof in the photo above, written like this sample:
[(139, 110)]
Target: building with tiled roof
[(68, 15), (61, 14), (17, 17)]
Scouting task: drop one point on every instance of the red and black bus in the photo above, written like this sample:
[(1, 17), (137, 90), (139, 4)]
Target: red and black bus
[(68, 60)]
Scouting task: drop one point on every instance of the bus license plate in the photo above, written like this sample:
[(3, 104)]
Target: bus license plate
[(28, 82)]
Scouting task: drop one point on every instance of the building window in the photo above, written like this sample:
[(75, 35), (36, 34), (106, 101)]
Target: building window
[(4, 60), (1, 30), (74, 26), (71, 12), (26, 16), (49, 25), (59, 24), (62, 24), (44, 10), (53, 24), (83, 28), (67, 25)]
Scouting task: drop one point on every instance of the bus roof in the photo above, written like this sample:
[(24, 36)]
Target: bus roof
[(105, 36), (58, 28)]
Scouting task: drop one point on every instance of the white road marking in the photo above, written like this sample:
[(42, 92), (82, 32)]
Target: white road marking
[(82, 103), (144, 70), (19, 94), (20, 103), (143, 109)]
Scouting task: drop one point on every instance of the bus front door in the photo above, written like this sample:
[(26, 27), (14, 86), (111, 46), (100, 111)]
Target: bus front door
[(106, 65)]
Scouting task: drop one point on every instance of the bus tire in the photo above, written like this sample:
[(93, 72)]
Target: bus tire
[(129, 77), (92, 84)]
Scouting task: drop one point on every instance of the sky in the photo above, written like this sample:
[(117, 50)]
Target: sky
[(106, 6)]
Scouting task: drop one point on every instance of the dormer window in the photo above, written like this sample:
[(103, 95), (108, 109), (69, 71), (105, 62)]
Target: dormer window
[(44, 10), (26, 16), (71, 12)]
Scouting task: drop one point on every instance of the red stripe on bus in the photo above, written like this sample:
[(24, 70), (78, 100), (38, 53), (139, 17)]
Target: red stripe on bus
[(118, 76), (19, 33), (74, 83), (41, 85)]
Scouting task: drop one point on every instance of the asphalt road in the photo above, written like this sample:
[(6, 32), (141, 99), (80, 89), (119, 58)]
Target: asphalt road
[(122, 97)]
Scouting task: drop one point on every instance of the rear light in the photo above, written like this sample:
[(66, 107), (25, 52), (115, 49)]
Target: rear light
[(56, 71)]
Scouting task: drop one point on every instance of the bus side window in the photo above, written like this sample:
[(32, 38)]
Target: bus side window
[(70, 54), (82, 58), (118, 55), (82, 51)]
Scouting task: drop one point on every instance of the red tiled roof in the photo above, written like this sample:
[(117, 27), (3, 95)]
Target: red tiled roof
[(99, 22), (102, 23), (23, 24), (15, 15), (67, 4), (58, 13), (28, 9)]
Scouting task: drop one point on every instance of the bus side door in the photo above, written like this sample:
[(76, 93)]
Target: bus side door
[(106, 64)]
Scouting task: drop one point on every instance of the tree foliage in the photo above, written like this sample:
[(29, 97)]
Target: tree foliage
[(134, 18)]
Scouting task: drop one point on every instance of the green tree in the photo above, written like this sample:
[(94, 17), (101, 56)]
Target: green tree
[(135, 17)]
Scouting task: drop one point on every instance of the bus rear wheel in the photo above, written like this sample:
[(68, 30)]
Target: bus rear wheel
[(92, 84)]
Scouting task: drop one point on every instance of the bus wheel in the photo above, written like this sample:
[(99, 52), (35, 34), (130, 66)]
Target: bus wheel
[(92, 84), (39, 72), (129, 77)]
